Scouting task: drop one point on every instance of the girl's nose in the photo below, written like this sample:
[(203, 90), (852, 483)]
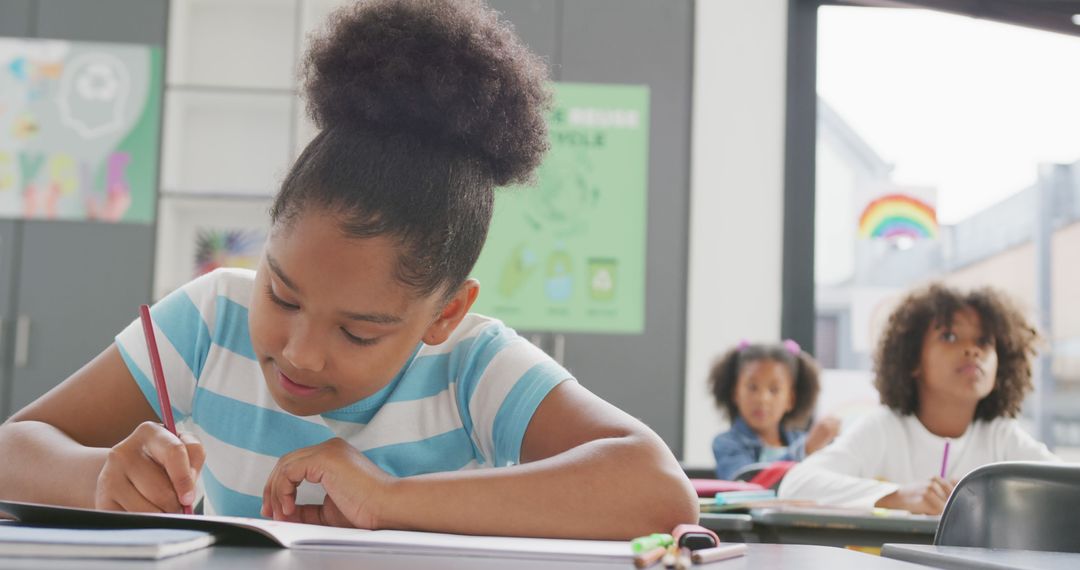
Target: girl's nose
[(303, 349)]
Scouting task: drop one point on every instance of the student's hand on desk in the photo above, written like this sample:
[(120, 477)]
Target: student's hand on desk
[(822, 433), (353, 485), (150, 471), (920, 498)]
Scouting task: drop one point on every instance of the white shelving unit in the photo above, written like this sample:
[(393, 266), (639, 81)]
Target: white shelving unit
[(233, 43), (234, 121), (226, 141)]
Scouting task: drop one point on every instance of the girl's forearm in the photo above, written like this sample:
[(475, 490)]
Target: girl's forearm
[(615, 488), (44, 465)]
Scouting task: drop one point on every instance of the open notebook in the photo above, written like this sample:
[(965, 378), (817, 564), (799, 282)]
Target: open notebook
[(44, 542), (313, 537)]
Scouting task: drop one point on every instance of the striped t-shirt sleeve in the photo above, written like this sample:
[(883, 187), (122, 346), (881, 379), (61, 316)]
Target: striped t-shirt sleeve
[(500, 390), (183, 340)]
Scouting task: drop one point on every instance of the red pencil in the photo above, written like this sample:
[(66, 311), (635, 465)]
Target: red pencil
[(159, 375)]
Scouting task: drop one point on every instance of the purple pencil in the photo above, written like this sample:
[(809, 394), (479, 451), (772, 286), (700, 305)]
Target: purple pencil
[(945, 459)]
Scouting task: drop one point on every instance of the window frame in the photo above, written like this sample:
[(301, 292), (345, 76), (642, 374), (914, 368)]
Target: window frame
[(798, 308)]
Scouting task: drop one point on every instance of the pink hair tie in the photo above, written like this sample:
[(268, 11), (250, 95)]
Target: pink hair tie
[(792, 347), (743, 345)]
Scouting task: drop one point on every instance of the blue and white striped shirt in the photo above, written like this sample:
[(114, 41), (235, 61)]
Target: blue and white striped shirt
[(463, 404)]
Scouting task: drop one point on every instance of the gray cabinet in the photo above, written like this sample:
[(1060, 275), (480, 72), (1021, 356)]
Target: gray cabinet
[(124, 21), (76, 285), (16, 17), (8, 247)]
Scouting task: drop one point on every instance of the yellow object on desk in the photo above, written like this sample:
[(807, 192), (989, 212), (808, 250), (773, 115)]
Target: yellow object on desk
[(883, 512), (722, 552)]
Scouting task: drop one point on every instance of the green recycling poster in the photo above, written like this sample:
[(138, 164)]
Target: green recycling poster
[(568, 254)]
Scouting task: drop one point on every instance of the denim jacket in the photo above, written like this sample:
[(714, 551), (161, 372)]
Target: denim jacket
[(740, 446)]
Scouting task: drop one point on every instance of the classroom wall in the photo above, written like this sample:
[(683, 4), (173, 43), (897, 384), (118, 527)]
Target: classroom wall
[(638, 42), (736, 196), (715, 190)]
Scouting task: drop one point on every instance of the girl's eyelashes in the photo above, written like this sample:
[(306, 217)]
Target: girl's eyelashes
[(362, 341), (278, 300)]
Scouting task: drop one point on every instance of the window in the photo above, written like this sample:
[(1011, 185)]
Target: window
[(936, 134)]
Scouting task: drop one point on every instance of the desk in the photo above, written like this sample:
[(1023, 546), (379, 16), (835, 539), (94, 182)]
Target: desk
[(966, 557), (814, 526), (759, 557), (724, 522), (730, 527)]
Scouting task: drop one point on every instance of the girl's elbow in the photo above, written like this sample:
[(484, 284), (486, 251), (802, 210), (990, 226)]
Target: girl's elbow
[(791, 486), (682, 502), (674, 501), (667, 510), (684, 511)]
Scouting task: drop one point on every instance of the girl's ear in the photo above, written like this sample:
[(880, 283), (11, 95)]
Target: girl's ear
[(452, 312)]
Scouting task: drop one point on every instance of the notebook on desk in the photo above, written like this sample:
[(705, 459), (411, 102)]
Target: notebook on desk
[(744, 507), (46, 542), (313, 537)]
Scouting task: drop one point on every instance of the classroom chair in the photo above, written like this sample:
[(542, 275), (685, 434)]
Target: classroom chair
[(1017, 505), (747, 472), (698, 472), (768, 475)]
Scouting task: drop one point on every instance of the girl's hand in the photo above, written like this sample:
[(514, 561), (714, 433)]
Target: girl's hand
[(920, 498), (822, 434), (150, 471), (354, 486)]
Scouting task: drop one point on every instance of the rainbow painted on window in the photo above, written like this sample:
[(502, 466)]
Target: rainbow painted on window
[(896, 216)]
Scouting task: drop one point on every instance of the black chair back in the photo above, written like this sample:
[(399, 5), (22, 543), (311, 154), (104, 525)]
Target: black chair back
[(747, 472), (1019, 505)]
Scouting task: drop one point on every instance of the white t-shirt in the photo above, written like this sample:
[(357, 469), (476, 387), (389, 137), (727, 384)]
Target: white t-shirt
[(887, 450)]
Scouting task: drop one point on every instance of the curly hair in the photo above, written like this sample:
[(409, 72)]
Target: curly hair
[(424, 107), (804, 371), (899, 351)]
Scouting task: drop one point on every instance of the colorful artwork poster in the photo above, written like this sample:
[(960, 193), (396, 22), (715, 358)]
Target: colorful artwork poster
[(216, 247), (568, 254), (79, 129)]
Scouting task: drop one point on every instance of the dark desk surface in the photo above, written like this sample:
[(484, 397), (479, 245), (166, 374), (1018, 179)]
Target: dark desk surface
[(962, 557), (820, 526), (824, 518), (759, 557), (724, 522)]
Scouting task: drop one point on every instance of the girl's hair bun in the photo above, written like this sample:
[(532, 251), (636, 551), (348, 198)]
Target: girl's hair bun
[(447, 72)]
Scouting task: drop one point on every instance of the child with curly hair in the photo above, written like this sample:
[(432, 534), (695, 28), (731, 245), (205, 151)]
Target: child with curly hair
[(345, 382), (952, 369), (766, 390)]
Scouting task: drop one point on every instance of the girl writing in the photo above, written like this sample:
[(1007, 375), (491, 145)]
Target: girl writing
[(345, 382), (952, 369)]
